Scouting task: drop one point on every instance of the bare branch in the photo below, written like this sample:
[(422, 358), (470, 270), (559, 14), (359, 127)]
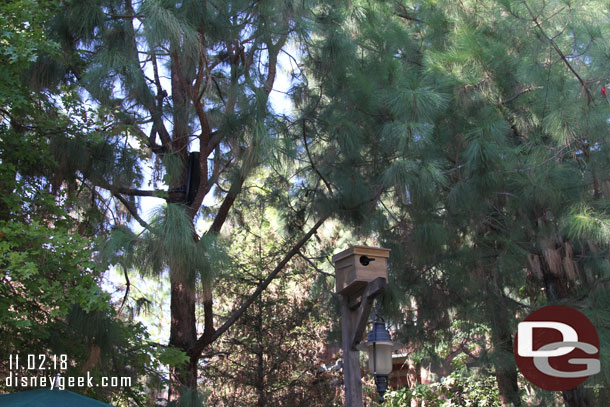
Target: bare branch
[(216, 171), (312, 264), (133, 211), (155, 111), (127, 287), (213, 142), (330, 190), (274, 50), (526, 90), (129, 191)]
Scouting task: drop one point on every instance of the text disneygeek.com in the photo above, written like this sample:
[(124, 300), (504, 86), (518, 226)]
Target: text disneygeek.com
[(28, 371)]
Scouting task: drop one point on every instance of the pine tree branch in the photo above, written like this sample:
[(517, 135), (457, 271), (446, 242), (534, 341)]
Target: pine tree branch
[(553, 157), (204, 137), (155, 111), (213, 142), (152, 144), (226, 205), (515, 96), (181, 97), (129, 191), (203, 186), (157, 117), (133, 211), (313, 166), (206, 338), (198, 94), (216, 171), (403, 12), (127, 288), (312, 264), (140, 192), (561, 54), (274, 50), (517, 303)]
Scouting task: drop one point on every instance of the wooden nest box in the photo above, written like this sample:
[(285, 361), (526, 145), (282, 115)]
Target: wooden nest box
[(358, 265)]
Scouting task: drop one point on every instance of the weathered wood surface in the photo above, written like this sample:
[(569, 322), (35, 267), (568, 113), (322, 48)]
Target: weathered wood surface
[(351, 358)]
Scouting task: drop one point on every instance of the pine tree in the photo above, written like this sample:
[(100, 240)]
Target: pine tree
[(271, 355), (467, 136), (186, 86), (490, 133)]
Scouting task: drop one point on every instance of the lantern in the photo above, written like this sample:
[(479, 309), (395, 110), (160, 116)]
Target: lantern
[(379, 347)]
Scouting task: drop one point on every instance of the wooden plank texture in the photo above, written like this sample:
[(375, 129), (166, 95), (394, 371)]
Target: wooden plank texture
[(351, 358), (373, 289)]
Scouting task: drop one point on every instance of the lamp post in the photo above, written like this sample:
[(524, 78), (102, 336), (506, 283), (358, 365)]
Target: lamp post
[(379, 347), (361, 275)]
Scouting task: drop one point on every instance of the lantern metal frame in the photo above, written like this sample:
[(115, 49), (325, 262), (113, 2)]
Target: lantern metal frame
[(379, 335)]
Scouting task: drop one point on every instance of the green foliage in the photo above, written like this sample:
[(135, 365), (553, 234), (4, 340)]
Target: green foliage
[(463, 387), (51, 302), (489, 144), (45, 274), (585, 223), (172, 357), (22, 41), (467, 136), (274, 350)]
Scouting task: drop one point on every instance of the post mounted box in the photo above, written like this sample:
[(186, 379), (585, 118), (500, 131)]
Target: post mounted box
[(358, 265)]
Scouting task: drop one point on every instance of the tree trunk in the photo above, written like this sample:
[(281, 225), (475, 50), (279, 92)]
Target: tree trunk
[(260, 366), (501, 339), (183, 332), (556, 288), (507, 386), (505, 368), (499, 315), (576, 397)]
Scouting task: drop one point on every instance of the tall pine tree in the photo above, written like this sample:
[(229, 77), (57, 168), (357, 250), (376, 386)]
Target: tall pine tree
[(185, 86), (491, 134)]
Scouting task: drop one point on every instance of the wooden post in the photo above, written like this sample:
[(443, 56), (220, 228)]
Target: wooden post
[(358, 285), (351, 358)]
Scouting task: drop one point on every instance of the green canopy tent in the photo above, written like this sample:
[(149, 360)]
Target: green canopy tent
[(48, 398)]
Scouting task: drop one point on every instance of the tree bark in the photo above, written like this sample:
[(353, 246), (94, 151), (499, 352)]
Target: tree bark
[(505, 368), (260, 359), (183, 332), (556, 288), (506, 373), (576, 397)]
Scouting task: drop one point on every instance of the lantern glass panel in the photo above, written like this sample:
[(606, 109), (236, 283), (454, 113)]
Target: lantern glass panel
[(384, 358)]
